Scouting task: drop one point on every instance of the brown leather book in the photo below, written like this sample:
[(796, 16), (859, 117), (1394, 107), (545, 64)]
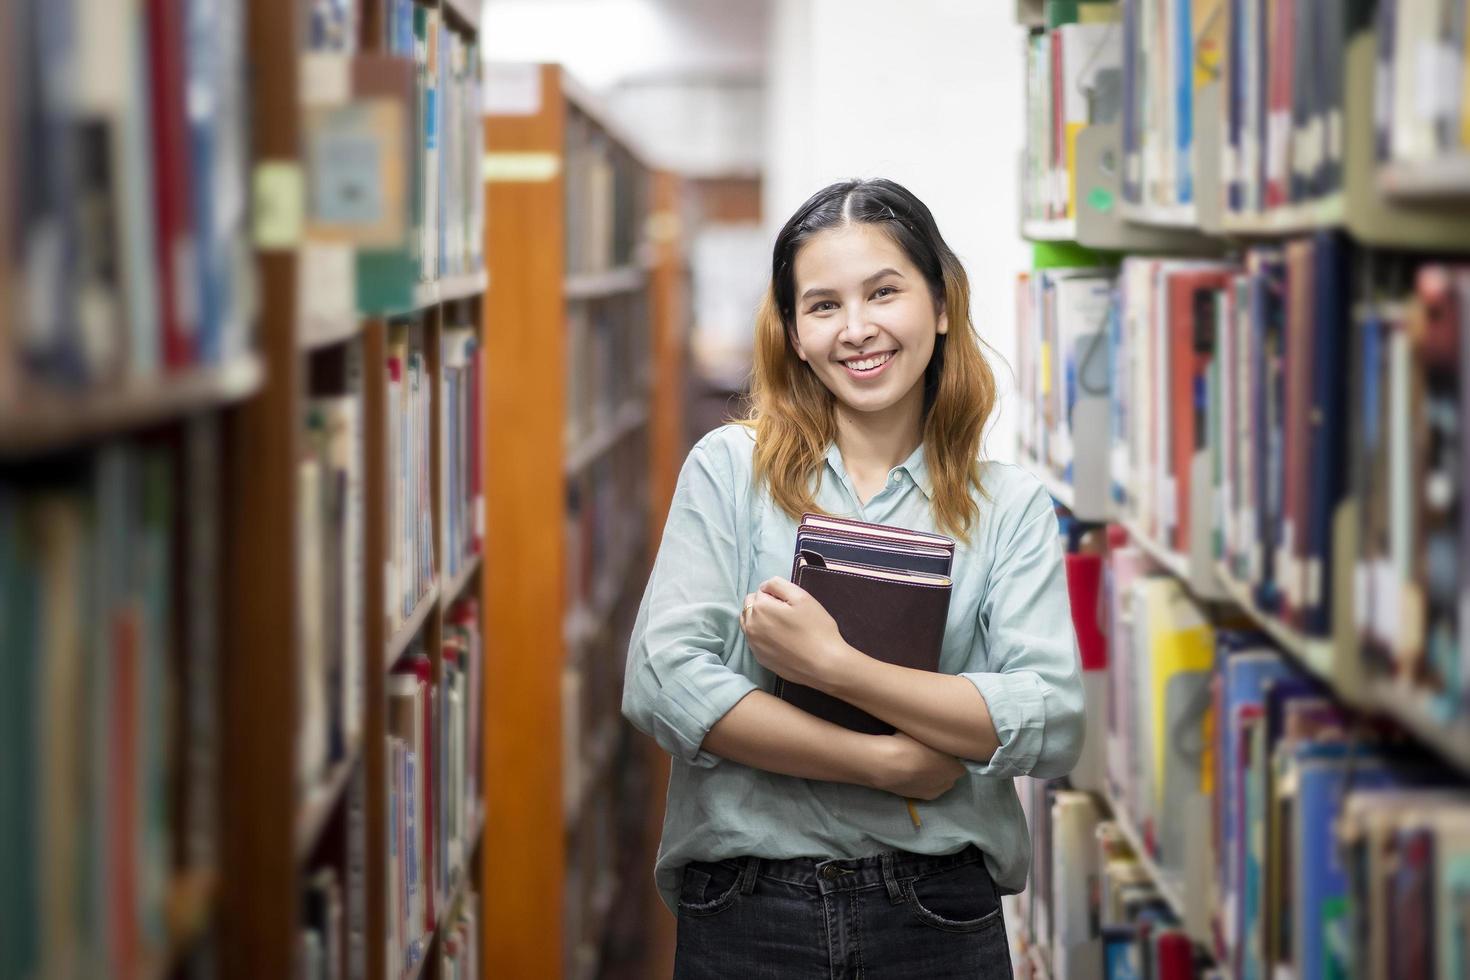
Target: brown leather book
[(892, 615)]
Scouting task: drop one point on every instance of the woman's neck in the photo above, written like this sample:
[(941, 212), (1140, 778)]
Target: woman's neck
[(873, 444)]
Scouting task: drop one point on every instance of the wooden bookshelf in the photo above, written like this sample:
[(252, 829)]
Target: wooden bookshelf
[(276, 832), (51, 421), (587, 332)]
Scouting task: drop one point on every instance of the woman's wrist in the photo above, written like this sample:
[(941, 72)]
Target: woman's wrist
[(876, 762)]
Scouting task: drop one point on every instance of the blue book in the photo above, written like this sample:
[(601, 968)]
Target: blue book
[(1327, 445), (1323, 773), (412, 872), (215, 117), (1184, 100), (1234, 98), (1129, 183)]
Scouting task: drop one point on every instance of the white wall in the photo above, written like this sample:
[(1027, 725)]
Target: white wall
[(928, 93), (604, 42)]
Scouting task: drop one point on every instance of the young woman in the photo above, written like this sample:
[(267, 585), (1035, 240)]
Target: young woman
[(787, 849)]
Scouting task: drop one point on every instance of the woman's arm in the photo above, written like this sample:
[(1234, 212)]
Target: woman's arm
[(1021, 716), (678, 689), (764, 732), (794, 636)]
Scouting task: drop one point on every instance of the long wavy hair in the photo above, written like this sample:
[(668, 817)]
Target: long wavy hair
[(792, 412)]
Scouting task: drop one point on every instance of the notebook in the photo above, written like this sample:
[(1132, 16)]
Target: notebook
[(888, 588)]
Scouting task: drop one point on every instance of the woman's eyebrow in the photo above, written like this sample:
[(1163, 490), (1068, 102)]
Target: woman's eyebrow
[(827, 291)]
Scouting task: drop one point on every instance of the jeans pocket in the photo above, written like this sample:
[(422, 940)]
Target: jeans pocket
[(961, 899), (708, 888)]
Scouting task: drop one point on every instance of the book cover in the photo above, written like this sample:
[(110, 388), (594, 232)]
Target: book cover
[(895, 617)]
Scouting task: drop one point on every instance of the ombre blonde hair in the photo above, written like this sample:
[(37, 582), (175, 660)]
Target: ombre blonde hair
[(792, 412)]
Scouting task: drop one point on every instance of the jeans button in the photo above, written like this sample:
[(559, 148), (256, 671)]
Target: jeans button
[(831, 871)]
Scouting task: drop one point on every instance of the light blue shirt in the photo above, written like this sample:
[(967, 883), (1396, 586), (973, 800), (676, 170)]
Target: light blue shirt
[(1009, 632)]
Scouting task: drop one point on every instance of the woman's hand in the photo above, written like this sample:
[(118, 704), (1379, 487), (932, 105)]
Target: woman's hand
[(792, 635), (910, 768)]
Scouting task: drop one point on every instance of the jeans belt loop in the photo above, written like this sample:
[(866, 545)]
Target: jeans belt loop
[(895, 893), (747, 875)]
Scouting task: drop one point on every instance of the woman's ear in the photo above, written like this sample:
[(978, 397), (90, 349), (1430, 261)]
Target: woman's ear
[(943, 322)]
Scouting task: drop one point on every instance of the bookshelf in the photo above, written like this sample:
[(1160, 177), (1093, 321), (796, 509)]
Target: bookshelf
[(334, 450), (1266, 512), (585, 322), (195, 403), (123, 378)]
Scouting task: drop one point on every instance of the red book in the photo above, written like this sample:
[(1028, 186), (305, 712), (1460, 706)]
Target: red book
[(1192, 294), (1279, 52), (1173, 955), (178, 286), (1084, 589)]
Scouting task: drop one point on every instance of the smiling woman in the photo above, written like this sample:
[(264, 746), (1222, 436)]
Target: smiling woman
[(783, 853), (860, 272)]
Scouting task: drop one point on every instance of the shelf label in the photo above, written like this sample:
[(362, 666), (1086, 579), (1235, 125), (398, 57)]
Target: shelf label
[(520, 168), (280, 203)]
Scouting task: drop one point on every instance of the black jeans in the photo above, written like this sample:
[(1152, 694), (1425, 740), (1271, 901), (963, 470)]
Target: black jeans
[(895, 915)]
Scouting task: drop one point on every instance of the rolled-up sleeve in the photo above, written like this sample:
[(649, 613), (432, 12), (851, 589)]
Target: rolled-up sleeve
[(677, 684), (1033, 684)]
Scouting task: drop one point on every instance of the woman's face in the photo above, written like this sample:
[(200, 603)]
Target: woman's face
[(865, 320)]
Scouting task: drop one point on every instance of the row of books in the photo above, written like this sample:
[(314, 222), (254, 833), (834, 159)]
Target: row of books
[(1421, 113), (332, 939), (463, 504), (1282, 71), (109, 742), (330, 574), (123, 254), (1063, 317), (434, 730), (1073, 80), (449, 204), (1254, 818), (462, 957), (411, 560), (608, 362), (1281, 67), (1249, 405), (606, 521), (605, 196), (1120, 926)]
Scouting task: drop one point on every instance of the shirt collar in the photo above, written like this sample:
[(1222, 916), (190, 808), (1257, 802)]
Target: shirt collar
[(916, 466)]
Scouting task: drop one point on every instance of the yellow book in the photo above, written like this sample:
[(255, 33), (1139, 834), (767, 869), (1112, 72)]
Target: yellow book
[(1181, 655)]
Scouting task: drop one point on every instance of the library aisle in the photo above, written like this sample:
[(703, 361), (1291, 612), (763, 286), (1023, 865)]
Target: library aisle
[(350, 351)]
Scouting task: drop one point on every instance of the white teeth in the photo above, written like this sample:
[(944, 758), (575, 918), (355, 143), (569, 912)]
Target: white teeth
[(870, 363)]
